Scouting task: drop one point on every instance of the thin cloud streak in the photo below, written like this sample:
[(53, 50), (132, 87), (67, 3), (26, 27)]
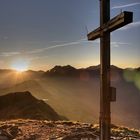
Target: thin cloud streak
[(114, 43), (38, 51), (118, 44), (56, 46), (130, 26), (125, 6), (6, 54)]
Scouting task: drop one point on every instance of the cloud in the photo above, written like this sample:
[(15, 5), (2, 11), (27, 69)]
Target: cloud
[(132, 25), (113, 43), (58, 41), (6, 54), (80, 41), (127, 5), (40, 50), (55, 46), (118, 44)]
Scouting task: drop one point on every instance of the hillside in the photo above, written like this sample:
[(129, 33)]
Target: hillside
[(24, 105), (10, 78), (60, 130), (30, 85)]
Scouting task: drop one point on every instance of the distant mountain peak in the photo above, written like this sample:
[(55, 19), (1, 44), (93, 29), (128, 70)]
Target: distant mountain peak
[(98, 67), (67, 70), (67, 67)]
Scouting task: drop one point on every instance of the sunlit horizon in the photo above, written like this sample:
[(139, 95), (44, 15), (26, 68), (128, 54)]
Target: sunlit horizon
[(22, 68)]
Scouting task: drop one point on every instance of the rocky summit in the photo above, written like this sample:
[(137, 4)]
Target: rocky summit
[(59, 130)]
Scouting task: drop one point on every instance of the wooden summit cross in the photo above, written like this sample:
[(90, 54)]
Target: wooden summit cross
[(107, 93)]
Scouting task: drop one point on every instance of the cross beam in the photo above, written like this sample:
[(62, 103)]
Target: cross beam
[(103, 32), (117, 22)]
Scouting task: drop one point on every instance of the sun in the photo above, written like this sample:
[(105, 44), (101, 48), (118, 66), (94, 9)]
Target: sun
[(20, 65), (20, 69)]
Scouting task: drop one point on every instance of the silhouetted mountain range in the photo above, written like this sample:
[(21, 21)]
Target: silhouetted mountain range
[(23, 105), (69, 71), (61, 71)]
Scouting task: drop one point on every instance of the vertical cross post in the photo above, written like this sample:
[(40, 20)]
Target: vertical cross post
[(105, 72), (107, 93)]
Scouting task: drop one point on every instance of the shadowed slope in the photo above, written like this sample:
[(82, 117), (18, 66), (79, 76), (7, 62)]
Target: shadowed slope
[(24, 105)]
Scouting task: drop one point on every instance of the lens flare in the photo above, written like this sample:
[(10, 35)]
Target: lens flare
[(137, 80), (129, 75), (132, 76)]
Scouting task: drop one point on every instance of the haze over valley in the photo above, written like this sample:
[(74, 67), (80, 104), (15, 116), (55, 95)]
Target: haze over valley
[(74, 93)]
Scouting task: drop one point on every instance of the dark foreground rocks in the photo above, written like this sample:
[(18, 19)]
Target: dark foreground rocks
[(59, 130)]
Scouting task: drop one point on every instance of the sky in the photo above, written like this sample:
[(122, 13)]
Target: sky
[(39, 34)]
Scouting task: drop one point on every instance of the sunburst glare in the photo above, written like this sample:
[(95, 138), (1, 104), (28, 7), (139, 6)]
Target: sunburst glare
[(20, 65)]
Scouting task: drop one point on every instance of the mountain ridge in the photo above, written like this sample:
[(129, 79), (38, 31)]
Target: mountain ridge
[(63, 66)]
